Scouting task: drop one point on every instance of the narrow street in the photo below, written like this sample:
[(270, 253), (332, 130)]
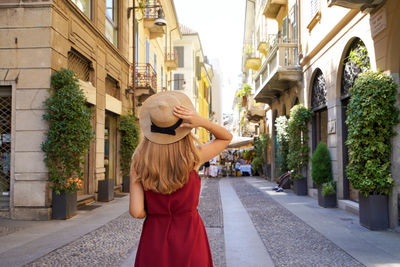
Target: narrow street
[(247, 223)]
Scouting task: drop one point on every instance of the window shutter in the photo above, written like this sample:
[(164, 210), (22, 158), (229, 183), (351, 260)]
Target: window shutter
[(181, 59)]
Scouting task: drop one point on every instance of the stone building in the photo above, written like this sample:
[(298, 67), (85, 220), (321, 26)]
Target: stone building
[(298, 54), (93, 38)]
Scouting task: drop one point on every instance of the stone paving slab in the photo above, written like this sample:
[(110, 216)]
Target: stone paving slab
[(210, 209), (289, 240)]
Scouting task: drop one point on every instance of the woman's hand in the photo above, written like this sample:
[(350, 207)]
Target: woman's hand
[(192, 118)]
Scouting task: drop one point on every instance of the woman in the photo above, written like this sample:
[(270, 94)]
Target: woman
[(165, 184)]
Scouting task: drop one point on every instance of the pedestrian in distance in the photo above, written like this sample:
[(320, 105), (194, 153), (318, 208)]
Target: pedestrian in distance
[(165, 184), (206, 169)]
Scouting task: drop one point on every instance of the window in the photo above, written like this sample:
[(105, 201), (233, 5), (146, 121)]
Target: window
[(162, 78), (180, 52), (80, 65), (178, 81), (314, 8), (155, 62), (112, 87), (136, 40), (147, 51), (84, 6), (112, 21)]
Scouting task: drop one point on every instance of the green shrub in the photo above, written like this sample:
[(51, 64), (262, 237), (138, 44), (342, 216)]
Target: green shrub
[(261, 147), (256, 164), (248, 154), (70, 131), (282, 127), (298, 136), (371, 116), (321, 166), (328, 188), (129, 141)]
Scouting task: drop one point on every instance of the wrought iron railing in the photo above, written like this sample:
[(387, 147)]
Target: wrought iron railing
[(5, 139), (151, 12), (172, 56), (145, 76)]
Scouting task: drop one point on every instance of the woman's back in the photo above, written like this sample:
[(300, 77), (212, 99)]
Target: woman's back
[(173, 233)]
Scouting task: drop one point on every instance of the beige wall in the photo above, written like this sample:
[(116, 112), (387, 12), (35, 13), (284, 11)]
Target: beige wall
[(324, 48), (35, 40)]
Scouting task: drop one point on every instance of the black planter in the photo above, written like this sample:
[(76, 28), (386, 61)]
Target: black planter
[(106, 190), (374, 211), (126, 181), (327, 201), (63, 206), (300, 187)]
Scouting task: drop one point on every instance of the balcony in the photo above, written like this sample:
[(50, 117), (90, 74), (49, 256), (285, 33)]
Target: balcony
[(279, 71), (171, 60), (255, 111), (150, 15), (145, 81), (355, 4), (272, 8)]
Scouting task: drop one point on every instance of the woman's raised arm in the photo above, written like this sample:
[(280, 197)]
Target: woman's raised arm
[(193, 120)]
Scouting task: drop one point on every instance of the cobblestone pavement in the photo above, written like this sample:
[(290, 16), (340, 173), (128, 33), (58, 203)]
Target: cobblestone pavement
[(111, 244), (210, 209), (289, 240), (108, 245)]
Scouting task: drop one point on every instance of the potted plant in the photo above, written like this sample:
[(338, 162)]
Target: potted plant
[(298, 147), (328, 195), (129, 141), (321, 170), (371, 116), (67, 141)]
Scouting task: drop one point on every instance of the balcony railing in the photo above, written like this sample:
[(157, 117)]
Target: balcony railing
[(171, 60), (146, 77), (280, 67), (150, 14)]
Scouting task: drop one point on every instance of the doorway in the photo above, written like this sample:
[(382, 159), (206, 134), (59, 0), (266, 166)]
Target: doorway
[(110, 146)]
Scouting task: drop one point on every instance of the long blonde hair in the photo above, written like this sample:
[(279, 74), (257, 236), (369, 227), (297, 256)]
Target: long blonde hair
[(165, 168)]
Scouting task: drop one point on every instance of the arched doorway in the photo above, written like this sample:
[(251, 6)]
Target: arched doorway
[(350, 72), (319, 108)]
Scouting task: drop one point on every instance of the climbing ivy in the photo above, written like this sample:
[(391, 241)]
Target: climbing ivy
[(298, 136), (129, 141), (70, 130), (371, 116)]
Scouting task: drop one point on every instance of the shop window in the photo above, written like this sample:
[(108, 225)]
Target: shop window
[(110, 146)]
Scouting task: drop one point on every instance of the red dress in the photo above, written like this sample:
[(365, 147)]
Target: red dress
[(173, 233)]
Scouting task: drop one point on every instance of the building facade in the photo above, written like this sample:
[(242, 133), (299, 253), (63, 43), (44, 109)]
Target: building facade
[(297, 52), (95, 40), (194, 75)]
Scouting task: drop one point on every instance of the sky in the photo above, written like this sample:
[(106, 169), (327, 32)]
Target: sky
[(220, 24)]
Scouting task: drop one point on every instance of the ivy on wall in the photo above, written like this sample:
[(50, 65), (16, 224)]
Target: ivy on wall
[(70, 130), (298, 136), (371, 116)]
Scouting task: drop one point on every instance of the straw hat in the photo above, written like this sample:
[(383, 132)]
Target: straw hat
[(156, 118)]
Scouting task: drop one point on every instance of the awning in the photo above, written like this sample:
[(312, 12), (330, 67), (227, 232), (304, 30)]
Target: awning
[(241, 142)]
